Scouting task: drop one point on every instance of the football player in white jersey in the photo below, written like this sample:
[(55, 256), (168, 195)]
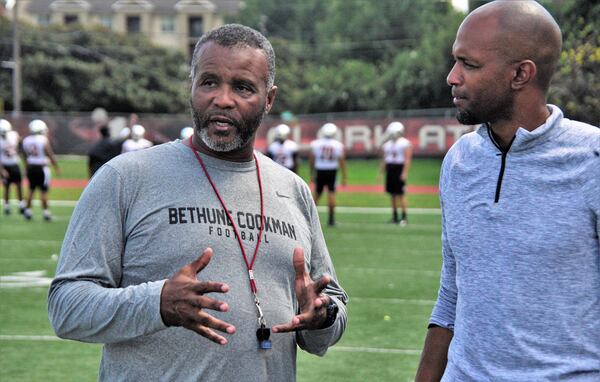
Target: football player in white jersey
[(283, 150), (38, 153), (397, 155), (137, 140), (326, 157), (10, 171)]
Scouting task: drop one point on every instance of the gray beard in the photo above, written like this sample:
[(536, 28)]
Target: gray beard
[(244, 134), (218, 146)]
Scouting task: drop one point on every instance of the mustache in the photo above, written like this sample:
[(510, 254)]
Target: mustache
[(220, 116), (456, 93), (246, 125)]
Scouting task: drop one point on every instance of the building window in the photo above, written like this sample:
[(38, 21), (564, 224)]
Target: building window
[(44, 20), (71, 19), (106, 21), (195, 26), (191, 48), (167, 24), (133, 24)]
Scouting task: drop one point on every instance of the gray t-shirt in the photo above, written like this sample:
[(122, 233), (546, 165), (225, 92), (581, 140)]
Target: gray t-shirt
[(146, 214)]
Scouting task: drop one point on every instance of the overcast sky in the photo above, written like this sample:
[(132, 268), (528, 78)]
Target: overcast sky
[(462, 5)]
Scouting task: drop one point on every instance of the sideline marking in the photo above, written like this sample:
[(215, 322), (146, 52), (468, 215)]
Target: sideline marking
[(342, 209), (361, 188)]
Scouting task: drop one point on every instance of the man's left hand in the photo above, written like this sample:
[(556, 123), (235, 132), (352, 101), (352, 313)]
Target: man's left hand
[(311, 301)]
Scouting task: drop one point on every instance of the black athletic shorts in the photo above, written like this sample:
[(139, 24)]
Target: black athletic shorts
[(393, 179), (325, 178), (14, 174), (38, 176)]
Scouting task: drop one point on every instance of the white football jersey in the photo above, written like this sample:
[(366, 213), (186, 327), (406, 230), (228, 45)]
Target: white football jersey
[(394, 150), (34, 147), (132, 145), (283, 153), (327, 153), (9, 148)]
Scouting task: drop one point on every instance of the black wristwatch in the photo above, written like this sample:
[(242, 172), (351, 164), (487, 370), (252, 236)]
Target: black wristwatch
[(332, 311)]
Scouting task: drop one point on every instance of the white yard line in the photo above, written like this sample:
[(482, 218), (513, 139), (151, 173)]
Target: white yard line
[(8, 337), (387, 270), (53, 203), (395, 301), (25, 280), (381, 210), (360, 349), (348, 349), (341, 209), (31, 241)]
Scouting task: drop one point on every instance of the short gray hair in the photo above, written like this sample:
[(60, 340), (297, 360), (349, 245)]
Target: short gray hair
[(236, 35)]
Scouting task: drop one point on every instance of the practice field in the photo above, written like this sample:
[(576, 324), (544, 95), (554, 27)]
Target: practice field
[(391, 274)]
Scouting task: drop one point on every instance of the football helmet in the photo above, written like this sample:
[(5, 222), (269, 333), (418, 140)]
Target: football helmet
[(282, 131), (137, 132), (125, 133), (395, 129), (329, 130), (37, 126), (5, 127), (186, 132)]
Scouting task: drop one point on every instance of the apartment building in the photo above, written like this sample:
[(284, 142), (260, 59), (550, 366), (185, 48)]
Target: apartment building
[(170, 23)]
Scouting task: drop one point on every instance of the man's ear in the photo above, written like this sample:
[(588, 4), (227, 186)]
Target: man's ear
[(270, 99), (524, 73)]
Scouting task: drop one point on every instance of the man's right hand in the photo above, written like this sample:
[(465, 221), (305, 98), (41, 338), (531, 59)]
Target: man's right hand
[(182, 301)]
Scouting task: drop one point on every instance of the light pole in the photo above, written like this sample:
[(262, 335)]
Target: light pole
[(16, 64)]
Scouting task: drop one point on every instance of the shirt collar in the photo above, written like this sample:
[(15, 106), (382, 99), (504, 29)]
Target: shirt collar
[(525, 139)]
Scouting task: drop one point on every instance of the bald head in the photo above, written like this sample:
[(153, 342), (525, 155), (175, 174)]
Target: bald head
[(522, 30)]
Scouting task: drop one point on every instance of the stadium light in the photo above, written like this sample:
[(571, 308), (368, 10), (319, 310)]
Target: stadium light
[(16, 63)]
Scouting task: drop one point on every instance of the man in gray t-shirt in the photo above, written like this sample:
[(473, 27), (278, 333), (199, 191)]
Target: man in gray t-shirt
[(201, 259)]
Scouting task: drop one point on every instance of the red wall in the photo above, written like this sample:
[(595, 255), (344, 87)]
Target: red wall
[(74, 133)]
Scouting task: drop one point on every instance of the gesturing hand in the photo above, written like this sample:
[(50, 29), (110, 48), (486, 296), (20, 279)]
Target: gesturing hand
[(182, 301), (312, 303)]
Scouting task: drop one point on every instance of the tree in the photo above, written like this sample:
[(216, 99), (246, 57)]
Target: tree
[(576, 84), (353, 55), (73, 69), (335, 55)]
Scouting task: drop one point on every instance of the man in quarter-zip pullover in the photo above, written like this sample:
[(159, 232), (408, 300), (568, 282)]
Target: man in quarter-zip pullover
[(519, 298)]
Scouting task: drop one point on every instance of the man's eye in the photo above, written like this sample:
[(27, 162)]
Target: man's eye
[(244, 89), (207, 83)]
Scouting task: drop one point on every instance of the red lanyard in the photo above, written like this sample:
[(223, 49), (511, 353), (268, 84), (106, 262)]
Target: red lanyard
[(249, 265)]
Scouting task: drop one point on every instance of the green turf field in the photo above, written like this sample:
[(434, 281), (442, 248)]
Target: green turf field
[(391, 274)]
